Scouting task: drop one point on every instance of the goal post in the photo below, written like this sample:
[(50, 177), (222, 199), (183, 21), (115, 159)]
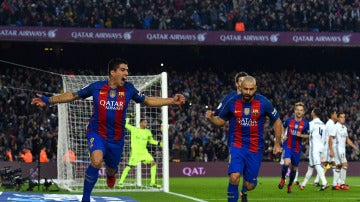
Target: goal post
[(73, 121)]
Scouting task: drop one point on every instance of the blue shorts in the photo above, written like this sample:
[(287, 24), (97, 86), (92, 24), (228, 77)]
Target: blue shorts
[(292, 155), (246, 163), (112, 150)]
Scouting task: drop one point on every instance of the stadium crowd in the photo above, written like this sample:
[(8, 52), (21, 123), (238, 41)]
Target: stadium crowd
[(191, 138), (258, 15)]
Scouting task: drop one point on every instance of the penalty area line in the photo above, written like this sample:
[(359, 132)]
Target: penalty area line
[(186, 196)]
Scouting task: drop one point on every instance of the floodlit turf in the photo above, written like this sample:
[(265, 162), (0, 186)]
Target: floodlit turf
[(214, 189)]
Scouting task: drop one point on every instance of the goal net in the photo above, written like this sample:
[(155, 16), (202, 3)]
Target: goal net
[(73, 121)]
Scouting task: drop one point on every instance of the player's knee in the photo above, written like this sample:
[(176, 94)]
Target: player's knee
[(234, 178), (96, 164), (250, 185)]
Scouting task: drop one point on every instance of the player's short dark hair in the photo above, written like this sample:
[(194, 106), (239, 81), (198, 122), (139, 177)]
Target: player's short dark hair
[(114, 64), (317, 111), (240, 74), (339, 113), (331, 112)]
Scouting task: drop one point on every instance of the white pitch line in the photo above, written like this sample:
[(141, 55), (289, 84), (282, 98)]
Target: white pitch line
[(186, 196), (286, 199)]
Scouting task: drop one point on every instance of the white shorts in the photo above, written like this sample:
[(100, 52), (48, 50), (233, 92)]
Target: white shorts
[(340, 158), (315, 157), (326, 155)]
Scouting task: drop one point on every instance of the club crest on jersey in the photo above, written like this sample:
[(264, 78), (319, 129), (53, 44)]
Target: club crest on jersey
[(112, 93), (91, 145), (121, 94), (247, 111), (255, 112), (296, 126)]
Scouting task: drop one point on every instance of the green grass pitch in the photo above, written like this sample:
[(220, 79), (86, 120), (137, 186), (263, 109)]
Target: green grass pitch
[(214, 189)]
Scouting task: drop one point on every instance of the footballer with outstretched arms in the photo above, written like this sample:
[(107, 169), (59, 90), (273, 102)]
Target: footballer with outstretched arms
[(105, 131)]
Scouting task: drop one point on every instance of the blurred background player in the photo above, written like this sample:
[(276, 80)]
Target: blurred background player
[(296, 182), (297, 128), (316, 143), (140, 137), (239, 78), (338, 149), (329, 129)]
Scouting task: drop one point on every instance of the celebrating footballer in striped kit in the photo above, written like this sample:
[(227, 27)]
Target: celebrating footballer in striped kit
[(246, 115), (105, 132)]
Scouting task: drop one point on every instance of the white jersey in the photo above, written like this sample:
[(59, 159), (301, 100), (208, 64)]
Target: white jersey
[(340, 144), (317, 135), (316, 141), (341, 136), (329, 129)]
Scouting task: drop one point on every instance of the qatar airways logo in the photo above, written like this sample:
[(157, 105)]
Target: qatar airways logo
[(247, 122), (52, 33), (274, 38), (322, 38), (112, 105), (195, 171)]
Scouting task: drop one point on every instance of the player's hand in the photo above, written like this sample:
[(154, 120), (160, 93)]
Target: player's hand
[(160, 144), (179, 99), (132, 115), (209, 114), (40, 100), (277, 149)]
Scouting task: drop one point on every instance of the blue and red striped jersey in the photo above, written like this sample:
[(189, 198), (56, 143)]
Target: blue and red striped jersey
[(246, 121), (292, 127), (227, 98), (109, 107)]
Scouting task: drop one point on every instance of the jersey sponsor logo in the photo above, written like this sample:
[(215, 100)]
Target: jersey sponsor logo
[(247, 122), (112, 105)]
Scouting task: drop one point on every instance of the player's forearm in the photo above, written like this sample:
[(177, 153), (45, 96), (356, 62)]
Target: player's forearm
[(279, 130), (158, 101), (216, 121), (62, 98)]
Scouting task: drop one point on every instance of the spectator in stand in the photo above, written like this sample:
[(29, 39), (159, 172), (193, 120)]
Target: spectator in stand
[(43, 156), (184, 124), (26, 155), (306, 16), (8, 155)]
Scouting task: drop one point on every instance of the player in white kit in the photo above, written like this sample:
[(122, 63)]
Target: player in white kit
[(316, 143), (337, 144), (329, 129)]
